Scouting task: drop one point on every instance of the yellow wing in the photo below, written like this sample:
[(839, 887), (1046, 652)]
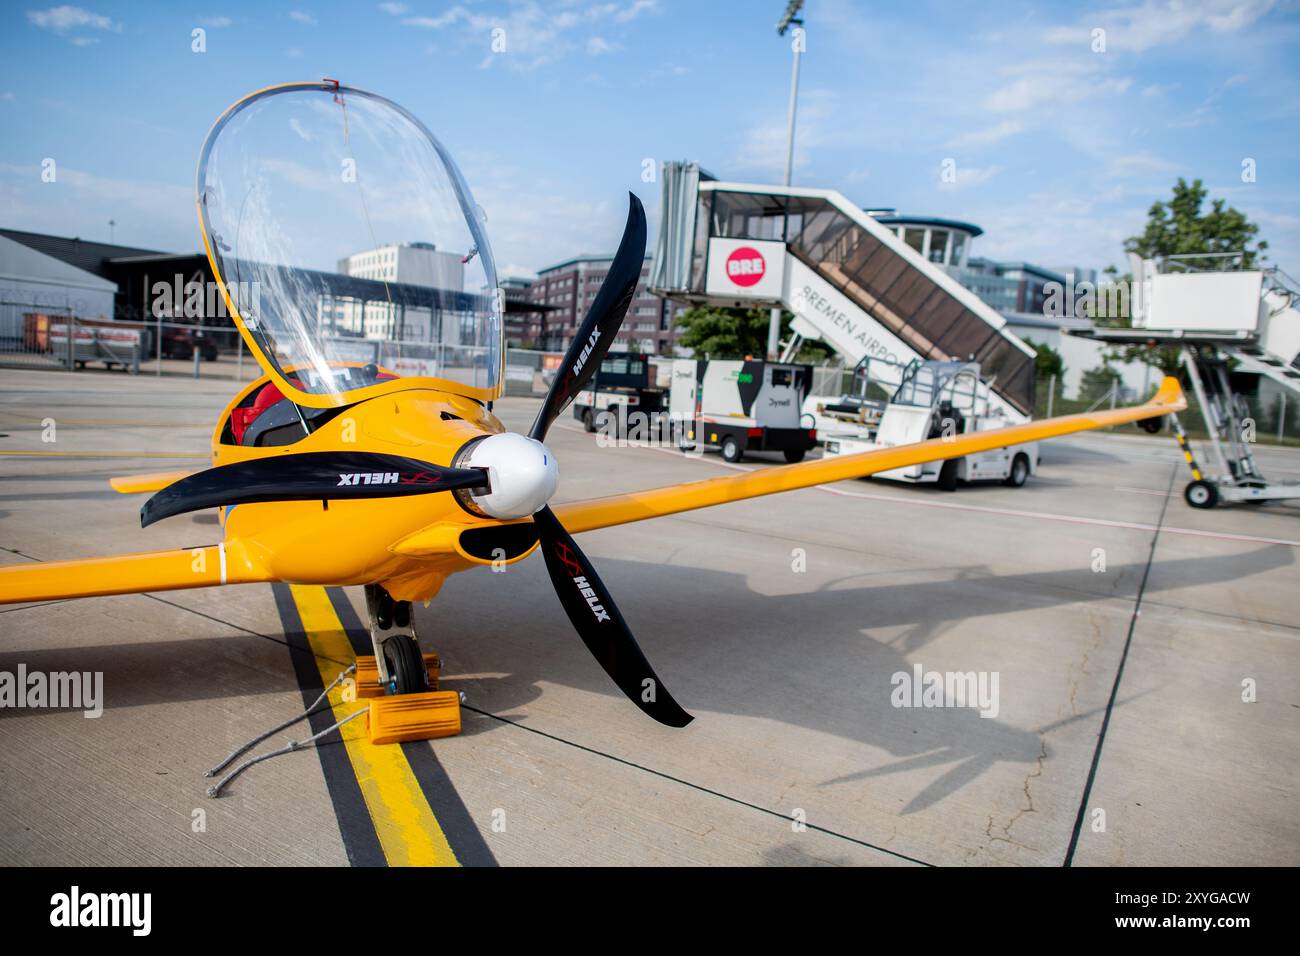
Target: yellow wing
[(154, 481), (131, 573), (639, 505)]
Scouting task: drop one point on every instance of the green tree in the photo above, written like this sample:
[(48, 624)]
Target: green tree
[(734, 333), (1181, 226), (1047, 361)]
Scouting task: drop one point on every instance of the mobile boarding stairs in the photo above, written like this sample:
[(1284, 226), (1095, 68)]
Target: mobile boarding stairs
[(1223, 319)]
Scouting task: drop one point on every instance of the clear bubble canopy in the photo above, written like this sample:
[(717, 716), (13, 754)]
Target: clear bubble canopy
[(350, 246)]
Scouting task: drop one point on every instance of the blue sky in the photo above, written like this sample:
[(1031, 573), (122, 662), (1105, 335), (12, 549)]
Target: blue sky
[(1059, 147)]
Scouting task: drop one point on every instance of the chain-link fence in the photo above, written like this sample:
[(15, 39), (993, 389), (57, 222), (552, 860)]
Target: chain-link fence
[(1271, 416), (25, 334), (52, 337), (530, 372)]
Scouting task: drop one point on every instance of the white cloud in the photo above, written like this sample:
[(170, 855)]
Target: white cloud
[(1239, 15), (765, 145), (1155, 23), (532, 230), (1051, 83), (967, 177), (988, 135), (302, 16), (1048, 227), (394, 9), (162, 211), (64, 18), (534, 33), (217, 22), (436, 23), (1136, 164), (294, 53), (634, 10), (84, 41)]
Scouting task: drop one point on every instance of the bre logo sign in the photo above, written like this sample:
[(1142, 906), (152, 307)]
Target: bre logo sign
[(745, 266)]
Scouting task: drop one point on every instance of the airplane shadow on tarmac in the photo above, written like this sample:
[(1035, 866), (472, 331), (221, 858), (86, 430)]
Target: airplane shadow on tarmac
[(776, 657), (718, 646)]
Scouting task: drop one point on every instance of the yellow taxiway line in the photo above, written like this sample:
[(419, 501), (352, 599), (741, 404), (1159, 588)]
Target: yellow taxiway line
[(408, 831)]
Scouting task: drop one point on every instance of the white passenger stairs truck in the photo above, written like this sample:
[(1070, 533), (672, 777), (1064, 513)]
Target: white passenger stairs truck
[(942, 400), (848, 279), (1222, 319)]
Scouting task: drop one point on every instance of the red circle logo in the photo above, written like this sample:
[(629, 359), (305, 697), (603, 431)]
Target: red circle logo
[(745, 266)]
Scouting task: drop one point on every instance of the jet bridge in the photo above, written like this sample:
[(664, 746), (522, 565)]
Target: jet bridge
[(850, 281)]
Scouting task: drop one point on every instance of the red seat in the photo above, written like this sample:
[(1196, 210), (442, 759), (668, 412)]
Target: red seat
[(241, 418)]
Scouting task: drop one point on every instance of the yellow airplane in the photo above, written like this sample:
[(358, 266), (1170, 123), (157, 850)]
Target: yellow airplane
[(368, 453)]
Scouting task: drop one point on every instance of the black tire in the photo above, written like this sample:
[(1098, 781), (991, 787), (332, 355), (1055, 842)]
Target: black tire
[(731, 450), (794, 455), (1019, 472), (1152, 426), (406, 665), (948, 475), (588, 420), (1201, 494)]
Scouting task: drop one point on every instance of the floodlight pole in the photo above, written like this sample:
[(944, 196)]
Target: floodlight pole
[(794, 103), (790, 17)]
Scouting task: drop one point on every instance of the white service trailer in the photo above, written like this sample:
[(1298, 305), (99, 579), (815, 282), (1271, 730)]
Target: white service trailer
[(741, 406)]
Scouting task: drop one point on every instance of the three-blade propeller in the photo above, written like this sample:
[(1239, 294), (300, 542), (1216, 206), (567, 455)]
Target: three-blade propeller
[(345, 475)]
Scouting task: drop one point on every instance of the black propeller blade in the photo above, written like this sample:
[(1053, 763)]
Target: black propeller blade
[(337, 475), (580, 590), (600, 625), (602, 323)]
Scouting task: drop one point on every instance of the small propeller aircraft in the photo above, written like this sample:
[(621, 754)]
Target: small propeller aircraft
[(368, 453)]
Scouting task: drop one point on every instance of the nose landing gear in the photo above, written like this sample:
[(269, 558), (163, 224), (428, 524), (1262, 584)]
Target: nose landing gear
[(400, 679), (398, 658)]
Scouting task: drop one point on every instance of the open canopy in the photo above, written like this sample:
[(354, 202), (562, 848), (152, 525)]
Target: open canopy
[(349, 246)]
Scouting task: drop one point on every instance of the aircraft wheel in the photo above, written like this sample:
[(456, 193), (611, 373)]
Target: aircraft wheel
[(406, 665), (1201, 494), (794, 455), (731, 449), (588, 420), (1019, 472), (948, 475), (1152, 426)]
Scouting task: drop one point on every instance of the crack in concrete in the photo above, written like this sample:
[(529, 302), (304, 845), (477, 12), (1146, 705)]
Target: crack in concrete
[(1029, 804)]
